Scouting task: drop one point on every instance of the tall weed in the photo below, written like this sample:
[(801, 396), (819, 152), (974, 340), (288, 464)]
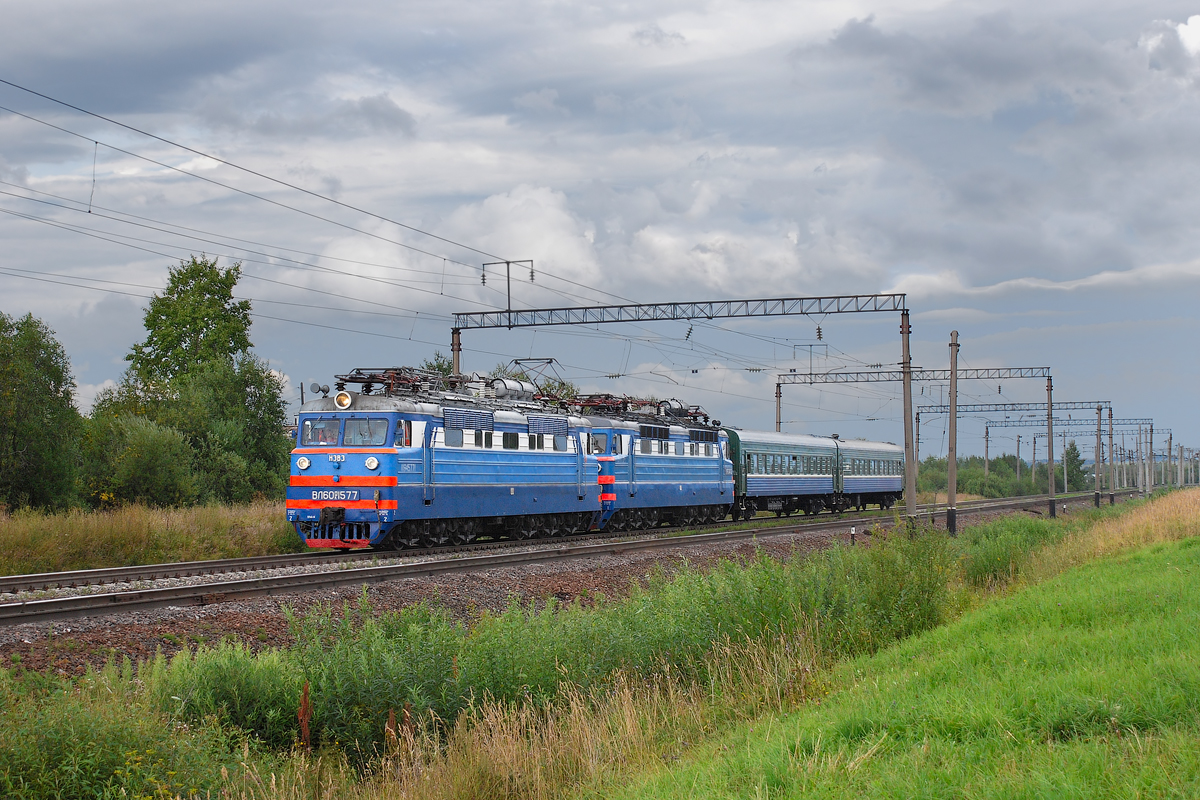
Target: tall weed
[(38, 541), (95, 739)]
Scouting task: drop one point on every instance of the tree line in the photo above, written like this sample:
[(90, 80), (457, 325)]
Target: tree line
[(1002, 479), (195, 418)]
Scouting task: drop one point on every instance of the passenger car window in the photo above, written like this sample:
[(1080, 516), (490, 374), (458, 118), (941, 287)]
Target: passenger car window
[(320, 432)]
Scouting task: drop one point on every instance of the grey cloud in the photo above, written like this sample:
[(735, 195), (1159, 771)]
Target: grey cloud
[(307, 116), (653, 35), (17, 173), (980, 67)]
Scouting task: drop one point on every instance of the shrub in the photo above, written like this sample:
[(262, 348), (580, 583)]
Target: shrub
[(259, 693), (131, 459), (97, 740)]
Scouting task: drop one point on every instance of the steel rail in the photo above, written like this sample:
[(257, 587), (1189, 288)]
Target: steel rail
[(33, 582), (211, 593)]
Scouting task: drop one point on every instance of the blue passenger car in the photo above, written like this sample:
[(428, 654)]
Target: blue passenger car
[(786, 473)]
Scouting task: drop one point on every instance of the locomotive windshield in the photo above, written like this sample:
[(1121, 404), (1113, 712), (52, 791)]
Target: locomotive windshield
[(365, 432), (320, 432)]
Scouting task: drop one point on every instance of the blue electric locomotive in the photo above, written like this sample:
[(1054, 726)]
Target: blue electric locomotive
[(414, 459)]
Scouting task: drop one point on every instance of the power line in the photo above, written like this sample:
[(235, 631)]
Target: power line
[(277, 181), (249, 171)]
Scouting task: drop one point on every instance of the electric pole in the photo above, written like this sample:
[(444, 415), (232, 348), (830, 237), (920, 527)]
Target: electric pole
[(952, 457), (1050, 441)]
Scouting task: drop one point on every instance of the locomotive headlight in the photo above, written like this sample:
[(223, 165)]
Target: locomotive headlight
[(372, 462), (342, 400), (303, 463)]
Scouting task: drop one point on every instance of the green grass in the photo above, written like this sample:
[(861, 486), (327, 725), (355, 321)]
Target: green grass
[(1085, 686)]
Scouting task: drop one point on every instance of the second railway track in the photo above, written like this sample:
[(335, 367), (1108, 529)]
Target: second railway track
[(428, 563)]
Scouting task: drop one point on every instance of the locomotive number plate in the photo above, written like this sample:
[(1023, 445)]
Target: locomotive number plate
[(335, 494)]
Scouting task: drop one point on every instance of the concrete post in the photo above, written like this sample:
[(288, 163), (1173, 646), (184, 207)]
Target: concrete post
[(1018, 458), (910, 453), (1150, 461), (778, 407), (1112, 464), (1066, 483), (952, 454), (1099, 454), (985, 453), (456, 351), (1050, 442), (1141, 473), (1168, 478)]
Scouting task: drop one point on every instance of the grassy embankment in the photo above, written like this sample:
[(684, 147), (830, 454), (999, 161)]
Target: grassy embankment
[(1087, 685), (583, 700), (37, 541)]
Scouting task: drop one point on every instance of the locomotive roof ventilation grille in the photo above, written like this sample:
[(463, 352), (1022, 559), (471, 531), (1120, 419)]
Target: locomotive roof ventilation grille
[(556, 426), (469, 419)]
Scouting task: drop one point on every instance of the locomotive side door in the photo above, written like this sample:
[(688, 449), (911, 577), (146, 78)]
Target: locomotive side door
[(633, 448), (838, 467), (427, 463)]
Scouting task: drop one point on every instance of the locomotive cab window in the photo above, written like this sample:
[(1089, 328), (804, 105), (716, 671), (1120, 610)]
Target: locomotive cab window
[(365, 432), (403, 433), (320, 432), (598, 443)]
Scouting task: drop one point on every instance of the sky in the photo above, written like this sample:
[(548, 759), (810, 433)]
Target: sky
[(1028, 174)]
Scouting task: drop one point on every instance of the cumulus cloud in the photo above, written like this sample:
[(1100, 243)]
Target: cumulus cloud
[(334, 118), (545, 100)]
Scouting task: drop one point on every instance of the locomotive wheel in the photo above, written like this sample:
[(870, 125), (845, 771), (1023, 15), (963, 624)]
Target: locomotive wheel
[(412, 533), (465, 531), (526, 528), (437, 534)]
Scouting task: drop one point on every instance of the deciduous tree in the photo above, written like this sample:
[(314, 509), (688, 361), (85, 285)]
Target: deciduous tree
[(195, 320), (39, 425)]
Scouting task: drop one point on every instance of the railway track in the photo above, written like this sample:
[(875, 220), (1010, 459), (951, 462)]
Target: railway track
[(427, 563)]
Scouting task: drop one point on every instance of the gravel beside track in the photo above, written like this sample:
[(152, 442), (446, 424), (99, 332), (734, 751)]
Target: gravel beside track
[(70, 646)]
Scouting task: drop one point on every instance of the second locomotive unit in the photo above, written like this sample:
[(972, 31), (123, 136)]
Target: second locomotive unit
[(410, 458)]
